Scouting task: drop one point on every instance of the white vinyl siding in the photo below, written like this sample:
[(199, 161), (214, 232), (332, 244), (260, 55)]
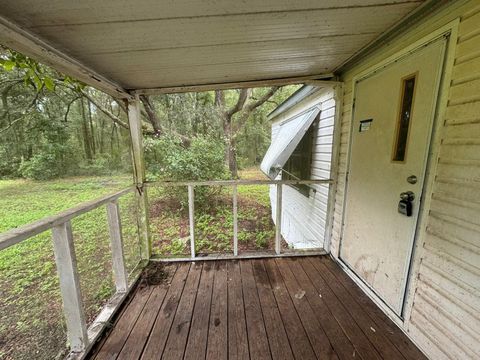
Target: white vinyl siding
[(304, 218)]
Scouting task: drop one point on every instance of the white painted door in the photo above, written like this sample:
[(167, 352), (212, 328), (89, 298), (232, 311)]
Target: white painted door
[(393, 115)]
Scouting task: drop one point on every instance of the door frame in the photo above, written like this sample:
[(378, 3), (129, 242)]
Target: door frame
[(450, 32)]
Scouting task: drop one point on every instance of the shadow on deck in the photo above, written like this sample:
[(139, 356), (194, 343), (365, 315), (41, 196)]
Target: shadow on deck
[(285, 308)]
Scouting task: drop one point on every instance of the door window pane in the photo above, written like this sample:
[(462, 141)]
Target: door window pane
[(404, 118)]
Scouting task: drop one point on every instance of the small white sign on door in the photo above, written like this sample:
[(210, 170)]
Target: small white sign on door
[(365, 125)]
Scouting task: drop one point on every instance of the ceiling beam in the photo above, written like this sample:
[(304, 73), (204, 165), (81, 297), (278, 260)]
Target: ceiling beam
[(317, 80), (21, 40)]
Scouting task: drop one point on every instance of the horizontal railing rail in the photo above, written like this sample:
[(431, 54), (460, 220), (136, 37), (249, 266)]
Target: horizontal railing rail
[(24, 232), (239, 182), (234, 184)]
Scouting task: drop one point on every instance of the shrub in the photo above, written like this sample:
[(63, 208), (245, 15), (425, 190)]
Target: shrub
[(45, 165), (9, 166), (203, 159)]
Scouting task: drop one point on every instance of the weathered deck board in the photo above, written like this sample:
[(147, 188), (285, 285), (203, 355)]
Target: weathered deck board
[(384, 324), (301, 347), (319, 340), (257, 334), (159, 335), (362, 346), (339, 341), (237, 326), (139, 335), (177, 340), (289, 308), (277, 337), (197, 342), (384, 347), (218, 330)]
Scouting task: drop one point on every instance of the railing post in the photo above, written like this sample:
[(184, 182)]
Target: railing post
[(136, 135), (278, 220), (70, 286), (235, 221), (116, 241), (191, 213)]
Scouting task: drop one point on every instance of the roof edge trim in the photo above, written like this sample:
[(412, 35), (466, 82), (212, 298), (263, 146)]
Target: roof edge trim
[(319, 79)]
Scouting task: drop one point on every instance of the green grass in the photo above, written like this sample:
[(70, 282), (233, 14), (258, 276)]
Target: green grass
[(31, 321)]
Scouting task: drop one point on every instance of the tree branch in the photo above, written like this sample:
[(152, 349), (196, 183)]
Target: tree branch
[(12, 123), (242, 99), (114, 118), (69, 105), (248, 108), (151, 114), (252, 106)]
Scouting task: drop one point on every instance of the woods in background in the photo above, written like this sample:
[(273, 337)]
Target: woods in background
[(53, 126)]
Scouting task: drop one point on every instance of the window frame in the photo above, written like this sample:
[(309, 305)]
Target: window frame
[(311, 135), (396, 135)]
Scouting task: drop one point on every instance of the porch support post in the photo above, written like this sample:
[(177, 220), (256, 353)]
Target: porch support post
[(136, 136), (278, 220)]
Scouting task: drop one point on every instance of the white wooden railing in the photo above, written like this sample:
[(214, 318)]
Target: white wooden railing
[(234, 184), (81, 338)]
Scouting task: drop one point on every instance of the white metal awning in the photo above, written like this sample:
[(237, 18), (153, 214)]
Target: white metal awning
[(286, 140), (151, 46)]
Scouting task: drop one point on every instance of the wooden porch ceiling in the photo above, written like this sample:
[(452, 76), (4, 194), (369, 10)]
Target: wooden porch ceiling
[(284, 308), (124, 45)]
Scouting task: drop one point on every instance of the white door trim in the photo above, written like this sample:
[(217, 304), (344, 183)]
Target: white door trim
[(450, 30)]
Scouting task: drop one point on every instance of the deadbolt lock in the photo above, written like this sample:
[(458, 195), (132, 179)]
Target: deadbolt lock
[(412, 179)]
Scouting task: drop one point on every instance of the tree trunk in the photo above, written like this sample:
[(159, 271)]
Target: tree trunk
[(85, 132), (92, 131), (230, 147), (232, 159), (244, 107)]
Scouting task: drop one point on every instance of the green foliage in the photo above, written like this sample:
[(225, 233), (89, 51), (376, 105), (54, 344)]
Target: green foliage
[(35, 75), (203, 159), (9, 165), (42, 166), (52, 125), (47, 128)]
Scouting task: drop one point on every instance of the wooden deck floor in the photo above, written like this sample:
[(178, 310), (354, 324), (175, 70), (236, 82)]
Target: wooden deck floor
[(285, 308)]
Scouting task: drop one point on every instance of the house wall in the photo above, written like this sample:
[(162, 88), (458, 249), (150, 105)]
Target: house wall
[(304, 218), (442, 313)]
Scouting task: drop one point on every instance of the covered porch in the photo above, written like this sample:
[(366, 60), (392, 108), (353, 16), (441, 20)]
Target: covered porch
[(280, 304)]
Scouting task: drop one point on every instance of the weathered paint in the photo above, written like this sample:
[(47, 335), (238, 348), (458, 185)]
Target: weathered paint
[(138, 159), (443, 301), (304, 219)]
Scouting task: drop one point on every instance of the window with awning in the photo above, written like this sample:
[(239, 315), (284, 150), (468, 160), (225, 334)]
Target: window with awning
[(291, 132)]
